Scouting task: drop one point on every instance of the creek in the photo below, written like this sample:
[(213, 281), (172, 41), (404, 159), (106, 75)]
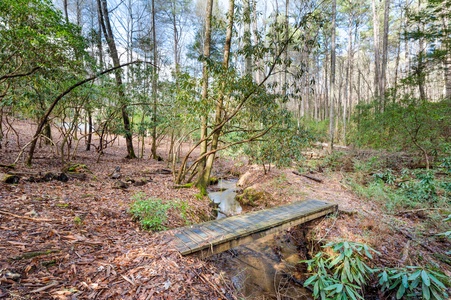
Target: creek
[(265, 269)]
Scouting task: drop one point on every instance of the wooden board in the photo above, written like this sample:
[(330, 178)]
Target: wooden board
[(220, 235)]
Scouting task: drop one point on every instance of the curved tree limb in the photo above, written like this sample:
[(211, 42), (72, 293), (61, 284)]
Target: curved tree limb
[(49, 110)]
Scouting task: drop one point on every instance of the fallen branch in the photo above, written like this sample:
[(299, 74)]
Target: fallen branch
[(419, 209), (308, 176), (26, 218), (41, 289), (12, 166), (410, 236), (29, 255)]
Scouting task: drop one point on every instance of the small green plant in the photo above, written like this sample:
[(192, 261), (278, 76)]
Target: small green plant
[(447, 234), (340, 272), (78, 221), (413, 282), (151, 212), (422, 189), (446, 161), (388, 177)]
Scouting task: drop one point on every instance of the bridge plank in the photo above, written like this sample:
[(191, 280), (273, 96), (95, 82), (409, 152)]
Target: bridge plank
[(220, 235)]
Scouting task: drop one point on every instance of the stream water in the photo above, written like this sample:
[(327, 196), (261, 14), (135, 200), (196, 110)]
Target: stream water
[(264, 269), (223, 195)]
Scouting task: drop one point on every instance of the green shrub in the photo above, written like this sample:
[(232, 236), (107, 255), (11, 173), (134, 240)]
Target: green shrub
[(447, 234), (152, 212), (341, 272), (413, 282), (388, 177), (421, 189)]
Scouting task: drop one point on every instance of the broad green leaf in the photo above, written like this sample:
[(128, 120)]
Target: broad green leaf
[(350, 292), (414, 275), (405, 283), (383, 277), (310, 280), (437, 295), (400, 292), (425, 278), (436, 281), (426, 291), (316, 289), (333, 287), (338, 259)]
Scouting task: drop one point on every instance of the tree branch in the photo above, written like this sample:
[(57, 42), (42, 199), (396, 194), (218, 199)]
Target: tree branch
[(8, 76)]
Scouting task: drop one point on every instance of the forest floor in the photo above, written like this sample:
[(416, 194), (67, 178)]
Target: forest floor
[(77, 239)]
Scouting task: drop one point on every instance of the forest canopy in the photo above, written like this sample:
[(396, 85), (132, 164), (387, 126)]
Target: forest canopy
[(243, 77)]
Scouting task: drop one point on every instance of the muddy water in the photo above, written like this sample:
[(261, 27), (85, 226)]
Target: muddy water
[(264, 269)]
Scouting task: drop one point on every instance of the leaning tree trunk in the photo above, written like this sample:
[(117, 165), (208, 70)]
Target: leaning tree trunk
[(220, 102)]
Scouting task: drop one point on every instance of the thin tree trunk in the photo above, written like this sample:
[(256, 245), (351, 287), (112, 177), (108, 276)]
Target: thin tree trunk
[(220, 102), (90, 129), (383, 75), (376, 49), (108, 33), (332, 79), (247, 37), (66, 14), (49, 110), (205, 75), (153, 147)]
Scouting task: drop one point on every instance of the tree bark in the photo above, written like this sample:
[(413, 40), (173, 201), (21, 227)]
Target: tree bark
[(153, 148), (332, 78), (376, 49), (383, 75), (205, 74), (220, 102), (108, 33)]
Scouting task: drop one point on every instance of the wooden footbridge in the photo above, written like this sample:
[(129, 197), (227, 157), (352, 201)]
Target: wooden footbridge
[(217, 236)]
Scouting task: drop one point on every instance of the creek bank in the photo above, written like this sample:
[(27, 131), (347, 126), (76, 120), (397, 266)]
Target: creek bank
[(269, 267)]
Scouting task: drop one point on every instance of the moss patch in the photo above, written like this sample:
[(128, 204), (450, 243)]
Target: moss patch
[(253, 197)]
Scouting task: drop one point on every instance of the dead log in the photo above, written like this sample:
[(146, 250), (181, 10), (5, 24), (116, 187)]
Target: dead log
[(26, 218), (308, 176), (8, 178), (79, 176), (12, 166)]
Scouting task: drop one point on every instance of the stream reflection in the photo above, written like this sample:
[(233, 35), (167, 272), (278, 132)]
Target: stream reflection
[(224, 196)]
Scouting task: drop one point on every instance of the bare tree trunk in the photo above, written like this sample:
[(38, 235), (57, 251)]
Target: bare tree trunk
[(153, 148), (258, 74), (220, 102), (90, 129), (205, 75), (66, 14), (348, 81), (108, 33), (332, 78), (285, 53), (247, 37), (383, 75), (376, 49)]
